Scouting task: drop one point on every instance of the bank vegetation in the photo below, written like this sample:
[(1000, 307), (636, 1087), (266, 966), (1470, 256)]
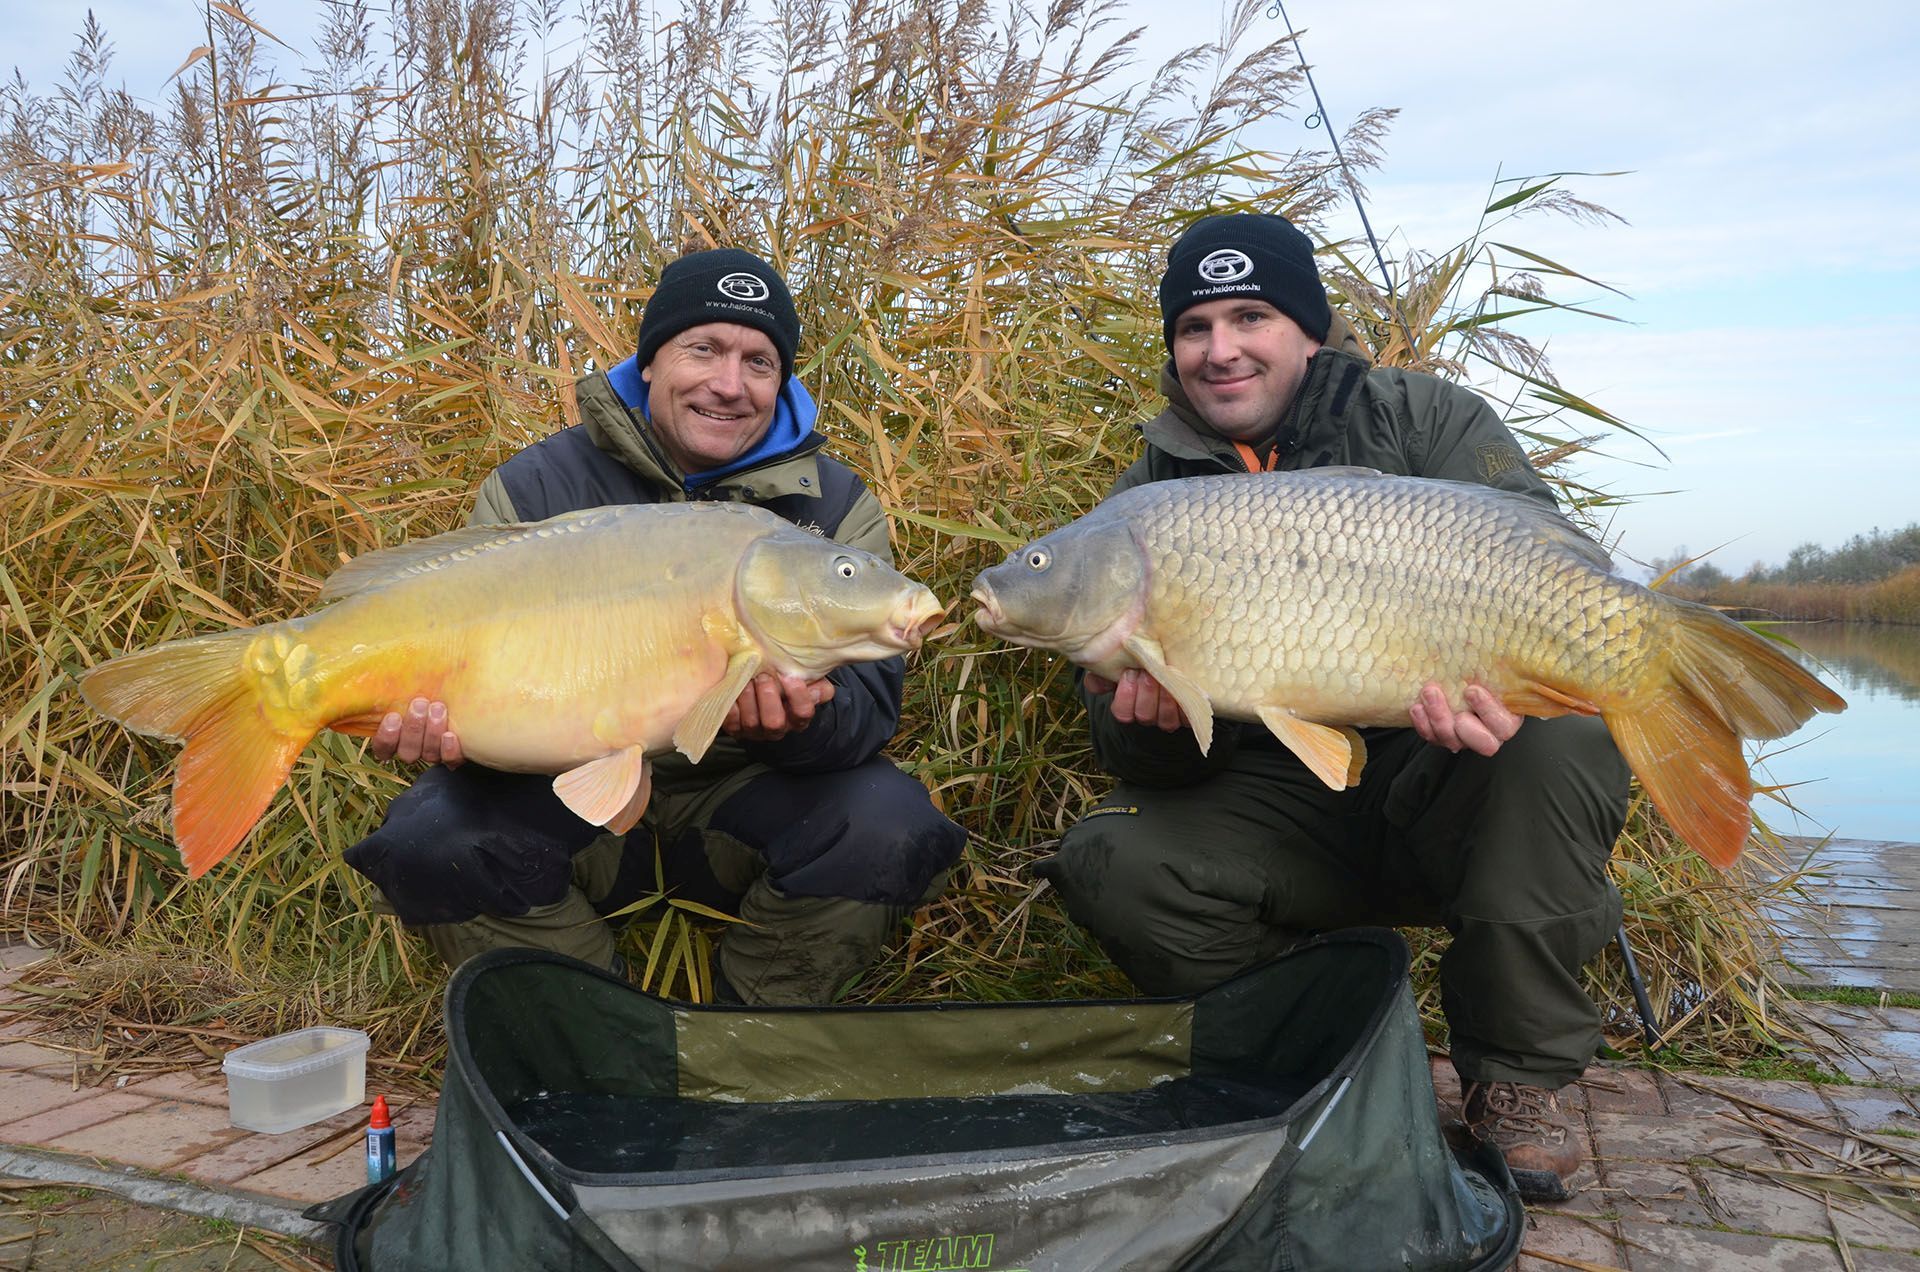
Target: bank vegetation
[(296, 308)]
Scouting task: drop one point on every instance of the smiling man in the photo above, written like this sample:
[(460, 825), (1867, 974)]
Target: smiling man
[(793, 820), (1199, 866)]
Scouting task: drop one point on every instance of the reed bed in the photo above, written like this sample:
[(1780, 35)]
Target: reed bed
[(284, 317), (1894, 599)]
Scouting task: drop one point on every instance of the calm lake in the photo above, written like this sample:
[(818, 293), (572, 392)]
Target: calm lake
[(1855, 775)]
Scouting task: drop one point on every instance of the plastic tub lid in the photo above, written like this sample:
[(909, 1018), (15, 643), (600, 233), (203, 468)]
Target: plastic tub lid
[(291, 1054)]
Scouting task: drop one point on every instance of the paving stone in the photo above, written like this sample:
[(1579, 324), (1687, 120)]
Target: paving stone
[(18, 1028), (1749, 1204), (1686, 1100), (1876, 1109), (37, 1058), (1879, 1070), (1658, 1247), (25, 1094), (253, 1152), (1627, 1135), (313, 1176), (1623, 1091), (17, 955), (156, 1136), (1800, 1097), (80, 1109), (1901, 1020), (1869, 1260), (1650, 1190), (1864, 1223), (183, 1084), (1568, 1238)]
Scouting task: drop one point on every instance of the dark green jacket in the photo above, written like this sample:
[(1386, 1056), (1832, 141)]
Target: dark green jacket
[(1347, 412), (611, 457)]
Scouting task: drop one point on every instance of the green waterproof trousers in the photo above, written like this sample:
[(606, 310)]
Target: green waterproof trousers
[(1185, 886)]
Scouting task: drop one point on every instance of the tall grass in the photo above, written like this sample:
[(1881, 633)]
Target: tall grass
[(265, 325)]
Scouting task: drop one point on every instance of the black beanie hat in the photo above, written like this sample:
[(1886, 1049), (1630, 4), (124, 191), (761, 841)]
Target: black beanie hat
[(1251, 254), (721, 285)]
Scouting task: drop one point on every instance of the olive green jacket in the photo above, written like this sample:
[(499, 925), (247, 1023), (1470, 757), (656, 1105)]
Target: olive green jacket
[(1347, 412)]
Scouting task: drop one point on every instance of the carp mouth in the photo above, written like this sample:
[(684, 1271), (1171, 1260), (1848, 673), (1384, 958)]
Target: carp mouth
[(911, 626), (990, 617)]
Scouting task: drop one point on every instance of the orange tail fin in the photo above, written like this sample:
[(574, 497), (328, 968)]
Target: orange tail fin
[(1683, 742), (198, 691), (1692, 767)]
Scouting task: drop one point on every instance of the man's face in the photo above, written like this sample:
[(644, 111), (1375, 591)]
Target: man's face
[(711, 392), (1241, 363)]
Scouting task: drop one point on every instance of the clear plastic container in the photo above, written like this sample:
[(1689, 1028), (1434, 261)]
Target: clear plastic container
[(295, 1079)]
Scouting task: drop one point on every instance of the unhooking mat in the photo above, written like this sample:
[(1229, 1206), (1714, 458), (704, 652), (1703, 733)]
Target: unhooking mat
[(1282, 1120)]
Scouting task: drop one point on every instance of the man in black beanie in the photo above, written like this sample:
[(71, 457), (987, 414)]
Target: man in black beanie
[(793, 820), (1497, 829)]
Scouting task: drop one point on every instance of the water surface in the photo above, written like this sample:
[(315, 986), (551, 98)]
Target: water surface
[(1855, 775)]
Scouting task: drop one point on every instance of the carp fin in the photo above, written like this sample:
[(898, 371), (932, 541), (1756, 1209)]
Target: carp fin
[(422, 556), (359, 726), (1191, 697), (608, 791), (1682, 739), (1334, 755), (703, 720), (629, 816), (236, 759), (1544, 702)]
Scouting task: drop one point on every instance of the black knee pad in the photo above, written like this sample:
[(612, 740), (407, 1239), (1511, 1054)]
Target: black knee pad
[(869, 833), (464, 842)]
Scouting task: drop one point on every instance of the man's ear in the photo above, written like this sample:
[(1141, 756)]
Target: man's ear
[(646, 374)]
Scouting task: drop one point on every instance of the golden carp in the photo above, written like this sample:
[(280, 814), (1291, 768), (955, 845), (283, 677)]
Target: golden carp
[(579, 645), (1316, 601)]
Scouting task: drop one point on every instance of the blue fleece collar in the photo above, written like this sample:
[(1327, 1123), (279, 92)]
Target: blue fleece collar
[(793, 415)]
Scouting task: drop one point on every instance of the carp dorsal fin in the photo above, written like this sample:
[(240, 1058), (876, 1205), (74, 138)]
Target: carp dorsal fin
[(1192, 698), (1338, 470), (373, 569), (1335, 755), (610, 791), (702, 722)]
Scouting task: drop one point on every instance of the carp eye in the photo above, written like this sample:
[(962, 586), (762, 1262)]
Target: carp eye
[(845, 567), (1038, 558)]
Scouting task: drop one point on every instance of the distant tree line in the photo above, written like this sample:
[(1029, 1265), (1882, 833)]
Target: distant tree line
[(1865, 558), (1873, 577)]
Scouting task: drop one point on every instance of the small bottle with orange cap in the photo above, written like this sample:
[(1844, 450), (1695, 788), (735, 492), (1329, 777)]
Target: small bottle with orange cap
[(380, 1156)]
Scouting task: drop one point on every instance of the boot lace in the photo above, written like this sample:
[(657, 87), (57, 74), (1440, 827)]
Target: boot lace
[(1513, 1110)]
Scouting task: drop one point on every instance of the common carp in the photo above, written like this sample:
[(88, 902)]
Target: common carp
[(579, 646), (1321, 600)]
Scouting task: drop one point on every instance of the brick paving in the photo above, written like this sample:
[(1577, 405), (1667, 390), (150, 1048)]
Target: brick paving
[(1684, 1171)]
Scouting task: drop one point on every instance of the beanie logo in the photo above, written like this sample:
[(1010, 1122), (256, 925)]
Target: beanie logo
[(744, 286), (1225, 266)]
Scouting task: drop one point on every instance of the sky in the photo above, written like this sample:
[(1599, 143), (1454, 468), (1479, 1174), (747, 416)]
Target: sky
[(1770, 188)]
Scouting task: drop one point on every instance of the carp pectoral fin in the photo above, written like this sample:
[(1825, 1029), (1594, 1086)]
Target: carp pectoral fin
[(1192, 698), (702, 722), (1544, 702), (1335, 755), (625, 820), (604, 790), (360, 726)]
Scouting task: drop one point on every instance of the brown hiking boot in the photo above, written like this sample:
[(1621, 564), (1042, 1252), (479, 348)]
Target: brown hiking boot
[(1525, 1123)]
